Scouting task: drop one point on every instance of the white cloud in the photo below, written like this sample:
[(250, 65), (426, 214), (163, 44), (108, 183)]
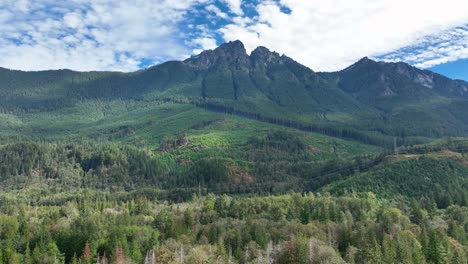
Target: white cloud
[(23, 5), (90, 34), (330, 35), (445, 46), (217, 11), (324, 35), (73, 20), (235, 6), (205, 43)]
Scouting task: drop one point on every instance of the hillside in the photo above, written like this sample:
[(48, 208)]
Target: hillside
[(108, 201), (260, 120), (224, 156), (437, 172), (410, 101), (371, 102), (233, 158)]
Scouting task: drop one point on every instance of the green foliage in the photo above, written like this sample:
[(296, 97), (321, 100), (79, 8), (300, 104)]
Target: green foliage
[(209, 172), (144, 106), (359, 228), (440, 179), (122, 167)]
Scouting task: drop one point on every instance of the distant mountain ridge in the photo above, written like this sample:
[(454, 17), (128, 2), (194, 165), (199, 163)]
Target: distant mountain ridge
[(392, 99), (383, 74)]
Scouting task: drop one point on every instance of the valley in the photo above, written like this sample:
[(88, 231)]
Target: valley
[(227, 157)]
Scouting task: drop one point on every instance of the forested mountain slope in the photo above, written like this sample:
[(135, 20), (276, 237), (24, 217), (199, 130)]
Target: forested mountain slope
[(369, 101), (220, 117), (233, 158)]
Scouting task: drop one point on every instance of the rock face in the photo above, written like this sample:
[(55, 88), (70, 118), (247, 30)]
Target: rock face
[(430, 80), (263, 57), (419, 77), (230, 52)]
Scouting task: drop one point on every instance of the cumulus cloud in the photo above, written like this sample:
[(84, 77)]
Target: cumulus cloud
[(235, 6), (90, 34), (205, 43), (130, 34), (330, 35), (214, 9), (446, 46)]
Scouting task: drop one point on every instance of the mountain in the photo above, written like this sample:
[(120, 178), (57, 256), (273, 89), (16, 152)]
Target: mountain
[(229, 73), (229, 157), (369, 80), (369, 101), (410, 101), (263, 81), (265, 118)]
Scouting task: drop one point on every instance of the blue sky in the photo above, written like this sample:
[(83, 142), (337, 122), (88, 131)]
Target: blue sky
[(127, 35), (456, 70)]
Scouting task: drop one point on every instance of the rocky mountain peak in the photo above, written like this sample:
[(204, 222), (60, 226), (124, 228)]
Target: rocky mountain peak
[(365, 61), (235, 48), (264, 56), (233, 51)]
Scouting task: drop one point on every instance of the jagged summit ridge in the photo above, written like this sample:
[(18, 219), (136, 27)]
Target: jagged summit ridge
[(263, 56), (233, 51), (367, 78)]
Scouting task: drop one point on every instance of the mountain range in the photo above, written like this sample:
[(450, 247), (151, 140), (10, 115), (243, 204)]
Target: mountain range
[(227, 157), (224, 121), (369, 100)]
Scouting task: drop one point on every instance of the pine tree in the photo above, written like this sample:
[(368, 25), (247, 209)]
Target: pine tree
[(86, 256), (305, 215), (74, 260), (435, 252), (119, 257), (221, 251), (14, 258), (27, 259), (389, 249), (37, 254), (375, 253), (350, 256), (136, 252), (408, 248)]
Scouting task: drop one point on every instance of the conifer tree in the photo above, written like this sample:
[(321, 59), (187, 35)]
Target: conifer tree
[(389, 249), (119, 257), (27, 259), (86, 256)]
